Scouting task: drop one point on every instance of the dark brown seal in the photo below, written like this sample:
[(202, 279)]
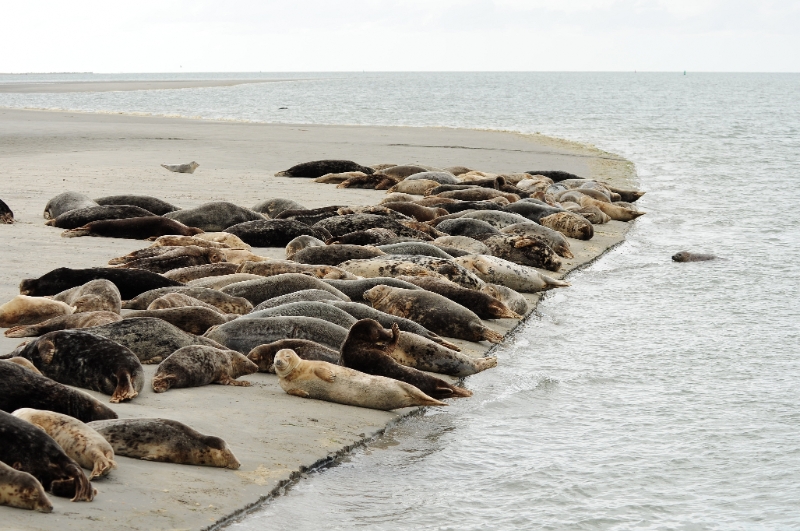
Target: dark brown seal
[(318, 168), (364, 237), (6, 215), (264, 355), (199, 365), (192, 319), (686, 256), (140, 228)]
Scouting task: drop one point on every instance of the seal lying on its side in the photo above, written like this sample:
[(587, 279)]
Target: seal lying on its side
[(274, 232), (189, 273), (179, 300), (224, 303), (318, 168), (367, 349), (264, 288), (524, 250), (517, 277), (304, 295), (141, 228), (485, 306), (365, 237), (264, 355), (354, 289), (65, 322), (553, 238), (24, 363), (80, 442), (30, 449), (300, 243), (569, 224), (66, 201), (214, 216), (220, 281), (273, 207), (178, 257), (153, 204), (94, 296), (243, 335), (333, 255), (318, 310), (23, 310), (686, 256), (279, 267), (21, 490), (192, 319), (332, 383), (199, 365), (6, 215), (182, 168), (512, 299), (130, 282), (165, 441), (83, 216), (423, 354)]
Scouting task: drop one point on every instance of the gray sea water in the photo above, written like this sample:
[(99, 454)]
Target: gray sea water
[(649, 395)]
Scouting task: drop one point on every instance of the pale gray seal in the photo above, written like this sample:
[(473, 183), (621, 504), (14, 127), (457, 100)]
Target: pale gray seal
[(243, 335), (214, 216), (335, 254), (177, 257), (301, 242), (94, 296), (423, 354), (441, 177), (319, 310), (224, 303), (515, 301), (354, 289), (152, 204), (304, 295), (496, 218), (83, 216), (686, 256), (414, 248), (188, 167), (198, 365), (220, 281), (186, 274), (463, 243), (273, 207), (264, 288), (66, 201)]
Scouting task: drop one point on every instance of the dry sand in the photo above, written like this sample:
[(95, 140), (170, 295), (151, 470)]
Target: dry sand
[(114, 86), (274, 435)]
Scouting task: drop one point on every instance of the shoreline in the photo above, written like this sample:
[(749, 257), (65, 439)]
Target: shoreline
[(60, 87), (44, 153)]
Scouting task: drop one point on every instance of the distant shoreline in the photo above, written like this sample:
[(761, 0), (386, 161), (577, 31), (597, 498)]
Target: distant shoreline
[(43, 87)]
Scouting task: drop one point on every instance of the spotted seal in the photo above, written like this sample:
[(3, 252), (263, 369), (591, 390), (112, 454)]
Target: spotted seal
[(403, 171), (478, 194), (686, 256), (310, 216), (421, 353), (94, 296), (188, 167), (177, 257), (265, 288), (396, 265), (83, 216), (304, 295), (500, 271), (441, 177), (415, 248), (464, 243), (192, 319), (275, 232), (65, 322), (496, 218), (233, 242), (333, 255), (615, 212), (66, 201), (414, 187), (466, 227), (341, 225), (23, 310), (318, 168), (278, 267), (525, 250), (264, 355), (21, 490), (130, 282), (515, 301), (178, 241), (224, 303), (139, 228), (149, 203), (220, 281), (554, 239), (273, 207), (198, 365), (214, 216), (315, 309), (179, 300), (376, 181), (457, 206), (301, 242), (569, 224), (243, 335), (189, 273), (6, 215), (484, 305), (354, 289)]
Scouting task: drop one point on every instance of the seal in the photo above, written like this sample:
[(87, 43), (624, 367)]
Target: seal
[(300, 243), (333, 255), (273, 207), (525, 250), (22, 362), (83, 216), (278, 267), (187, 274), (367, 349), (66, 201), (80, 442), (318, 310), (686, 256), (397, 197), (304, 295), (414, 187), (224, 303), (264, 288), (441, 177), (593, 215), (415, 248), (382, 166), (179, 300), (403, 171), (24, 310), (466, 227), (365, 237), (152, 204), (243, 335), (64, 322), (433, 311), (165, 441), (149, 338), (418, 212), (240, 256), (318, 168), (94, 296), (497, 218), (29, 449), (177, 257), (178, 241), (376, 181), (21, 490), (310, 216), (324, 381), (182, 168), (458, 170), (394, 265), (478, 194), (199, 365), (615, 212), (275, 232), (457, 206), (531, 210), (485, 306), (555, 175), (341, 225), (75, 357), (140, 228), (354, 289), (553, 238), (569, 224), (463, 243), (192, 319), (149, 252), (500, 271), (214, 216), (230, 240), (6, 215), (130, 282), (20, 387), (264, 355), (338, 178), (513, 300), (426, 355)]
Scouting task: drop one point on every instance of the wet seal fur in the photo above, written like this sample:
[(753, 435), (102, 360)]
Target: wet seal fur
[(139, 228), (332, 383), (165, 441), (65, 322), (686, 256), (21, 490), (198, 365), (264, 355), (130, 282)]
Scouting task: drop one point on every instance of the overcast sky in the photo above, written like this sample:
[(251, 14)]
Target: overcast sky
[(419, 35)]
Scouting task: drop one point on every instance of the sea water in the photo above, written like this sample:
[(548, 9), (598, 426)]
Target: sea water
[(650, 394)]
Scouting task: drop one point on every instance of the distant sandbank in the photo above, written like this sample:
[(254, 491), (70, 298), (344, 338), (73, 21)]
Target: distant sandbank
[(113, 86)]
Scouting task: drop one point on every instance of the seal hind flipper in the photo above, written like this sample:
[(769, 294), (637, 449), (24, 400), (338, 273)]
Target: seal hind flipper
[(102, 466), (227, 380), (163, 383), (125, 389), (47, 349), (75, 233), (77, 483)]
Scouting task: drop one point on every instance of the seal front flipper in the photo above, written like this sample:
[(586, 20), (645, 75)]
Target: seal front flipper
[(298, 392), (325, 374), (47, 350)]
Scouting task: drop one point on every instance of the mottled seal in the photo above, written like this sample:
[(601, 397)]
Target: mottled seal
[(365, 237), (338, 178), (318, 310), (532, 211), (569, 224), (496, 218), (615, 212), (94, 296), (310, 216), (199, 365), (179, 300), (141, 228), (233, 242), (335, 254), (152, 204), (423, 354), (220, 281), (458, 206), (433, 311), (466, 227), (367, 349), (82, 359), (332, 383), (21, 490), (418, 212), (278, 267), (415, 187), (176, 257), (403, 171), (354, 289), (500, 271), (554, 239), (188, 167), (6, 215), (66, 201), (83, 216), (80, 442), (525, 250), (397, 197), (441, 177), (240, 256), (192, 319), (177, 241), (23, 310), (273, 207), (341, 225), (214, 216), (264, 355), (29, 449), (376, 181), (165, 441), (304, 295), (686, 256), (515, 301), (555, 175), (398, 265), (187, 274), (224, 303), (485, 306), (265, 288), (414, 248), (478, 194), (275, 232), (464, 243), (458, 170), (593, 215), (300, 243), (65, 322), (318, 168), (130, 282), (243, 335)]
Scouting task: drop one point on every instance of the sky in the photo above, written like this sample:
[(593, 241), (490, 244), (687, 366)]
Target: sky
[(409, 35)]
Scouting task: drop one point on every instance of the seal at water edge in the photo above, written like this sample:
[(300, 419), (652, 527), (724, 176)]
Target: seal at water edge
[(199, 365), (423, 354), (324, 381), (515, 301), (500, 271), (80, 442), (316, 309), (130, 282), (553, 238), (484, 305), (6, 215), (525, 250), (23, 310), (686, 256), (153, 204), (165, 441), (94, 296), (66, 201), (264, 355), (333, 255), (65, 322), (181, 168), (21, 490), (139, 228), (318, 168)]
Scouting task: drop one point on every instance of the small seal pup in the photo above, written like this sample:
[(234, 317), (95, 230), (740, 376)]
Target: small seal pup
[(279, 267), (94, 296), (275, 232), (6, 215), (332, 383), (199, 365), (21, 490), (20, 387), (569, 224), (24, 310), (214, 216), (423, 354), (686, 256), (273, 207), (264, 288), (485, 306), (300, 243), (66, 201), (192, 319), (243, 335), (189, 273), (181, 168), (75, 357), (367, 349), (264, 355), (80, 442), (130, 282), (517, 277), (140, 228), (224, 303), (153, 204), (316, 309), (318, 168), (65, 322), (83, 216), (333, 255), (28, 448), (433, 311), (165, 441), (304, 295)]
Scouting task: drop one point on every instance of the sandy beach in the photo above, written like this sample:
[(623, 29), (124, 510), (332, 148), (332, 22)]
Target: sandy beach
[(111, 86), (274, 435)]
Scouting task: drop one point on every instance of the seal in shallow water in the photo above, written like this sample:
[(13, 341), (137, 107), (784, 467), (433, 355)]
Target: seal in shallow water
[(153, 204), (94, 296), (199, 365), (318, 168), (141, 228), (264, 355), (6, 215), (165, 441), (21, 490), (66, 201), (686, 256), (130, 282), (23, 310), (65, 322), (332, 383)]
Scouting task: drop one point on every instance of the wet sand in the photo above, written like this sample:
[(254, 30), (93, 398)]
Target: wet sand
[(274, 435)]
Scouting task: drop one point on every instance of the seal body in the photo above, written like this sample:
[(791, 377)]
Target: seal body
[(264, 355), (214, 216), (340, 225), (463, 243), (83, 216), (199, 365), (243, 335), (24, 310), (81, 359), (484, 305), (279, 267), (318, 310), (265, 288), (181, 168), (365, 237), (466, 227), (404, 170), (686, 256), (553, 238), (80, 442), (335, 254), (176, 258), (94, 296), (496, 218), (318, 168), (441, 177), (138, 228), (421, 353), (166, 441), (22, 490), (66, 201), (6, 215), (64, 322), (332, 383), (304, 295), (130, 282), (512, 299), (152, 204), (221, 281), (525, 250), (273, 207), (224, 303), (301, 242), (415, 248), (177, 241), (179, 300), (28, 448), (189, 273), (569, 224), (500, 271), (354, 289), (192, 319)]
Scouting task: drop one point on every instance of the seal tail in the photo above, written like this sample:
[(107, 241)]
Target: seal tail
[(76, 233), (162, 383), (566, 253), (125, 389), (19, 331), (554, 283), (76, 485), (445, 343), (457, 392), (102, 466), (486, 363), (490, 335), (501, 311)]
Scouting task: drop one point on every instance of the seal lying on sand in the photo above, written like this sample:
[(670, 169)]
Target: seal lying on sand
[(316, 309), (66, 201), (22, 490), (140, 228), (265, 288), (318, 168), (165, 441), (83, 216), (273, 207), (485, 306), (341, 225), (300, 243), (355, 289), (6, 215), (24, 363), (332, 383), (423, 354), (94, 296), (224, 303), (23, 310), (466, 227), (553, 238), (178, 257), (569, 224), (243, 335), (65, 322), (220, 281), (214, 216), (192, 319), (199, 365), (274, 232), (525, 250), (264, 355), (130, 282), (80, 442), (182, 168), (335, 254), (187, 274), (517, 277), (279, 267), (29, 449), (179, 300), (367, 349), (512, 299), (152, 204)]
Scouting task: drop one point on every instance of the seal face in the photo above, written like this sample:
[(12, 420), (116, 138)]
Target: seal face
[(153, 204), (6, 215), (318, 168), (199, 365), (554, 239), (166, 441), (274, 232), (22, 490), (264, 355), (130, 282), (300, 243), (214, 216), (513, 300)]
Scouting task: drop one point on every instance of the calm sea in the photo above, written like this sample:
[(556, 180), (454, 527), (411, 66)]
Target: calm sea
[(649, 395)]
